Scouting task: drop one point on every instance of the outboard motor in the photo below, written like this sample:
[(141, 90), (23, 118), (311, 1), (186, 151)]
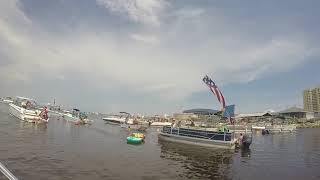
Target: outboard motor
[(264, 132), (246, 141)]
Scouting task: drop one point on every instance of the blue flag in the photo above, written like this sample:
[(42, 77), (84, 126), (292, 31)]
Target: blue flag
[(229, 112)]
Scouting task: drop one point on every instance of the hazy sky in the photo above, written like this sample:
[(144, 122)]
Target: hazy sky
[(149, 56)]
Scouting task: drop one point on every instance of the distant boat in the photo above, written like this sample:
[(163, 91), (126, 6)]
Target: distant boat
[(26, 110), (256, 127), (160, 124), (7, 100), (121, 118), (114, 119), (77, 117)]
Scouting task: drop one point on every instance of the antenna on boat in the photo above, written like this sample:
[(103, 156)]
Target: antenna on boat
[(7, 173)]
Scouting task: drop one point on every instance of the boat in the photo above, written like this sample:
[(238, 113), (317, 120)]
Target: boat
[(256, 127), (114, 119), (201, 137), (77, 117), (26, 109), (160, 124), (273, 129), (7, 100), (123, 118), (198, 137)]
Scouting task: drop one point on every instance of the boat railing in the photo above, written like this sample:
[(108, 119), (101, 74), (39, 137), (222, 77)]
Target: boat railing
[(7, 173), (211, 135)]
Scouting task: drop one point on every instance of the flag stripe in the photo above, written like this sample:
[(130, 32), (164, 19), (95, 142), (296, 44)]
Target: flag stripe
[(222, 99)]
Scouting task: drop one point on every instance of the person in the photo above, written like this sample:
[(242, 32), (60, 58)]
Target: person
[(192, 123), (24, 104), (240, 138), (44, 113), (173, 122), (28, 105)]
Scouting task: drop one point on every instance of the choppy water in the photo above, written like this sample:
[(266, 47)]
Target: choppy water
[(64, 151)]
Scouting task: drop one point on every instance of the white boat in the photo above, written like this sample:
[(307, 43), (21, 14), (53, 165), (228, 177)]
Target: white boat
[(7, 101), (25, 109), (115, 119), (160, 124), (122, 118), (77, 117), (258, 127)]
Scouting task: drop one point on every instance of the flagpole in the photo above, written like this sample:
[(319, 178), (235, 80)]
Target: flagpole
[(234, 125)]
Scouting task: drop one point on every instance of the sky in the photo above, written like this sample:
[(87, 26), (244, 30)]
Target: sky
[(149, 56)]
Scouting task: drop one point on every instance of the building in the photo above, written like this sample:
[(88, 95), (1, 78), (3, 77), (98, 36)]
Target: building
[(194, 114), (201, 111), (295, 112), (307, 100), (311, 100), (254, 115)]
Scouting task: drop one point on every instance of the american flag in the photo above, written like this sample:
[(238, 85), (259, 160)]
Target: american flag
[(215, 90)]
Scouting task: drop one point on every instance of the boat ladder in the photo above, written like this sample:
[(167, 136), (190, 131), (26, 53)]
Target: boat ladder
[(7, 173)]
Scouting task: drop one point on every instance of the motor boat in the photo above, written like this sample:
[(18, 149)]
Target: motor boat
[(123, 118), (77, 117), (26, 109)]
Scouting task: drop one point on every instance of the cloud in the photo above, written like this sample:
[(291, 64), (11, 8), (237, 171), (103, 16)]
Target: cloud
[(166, 68), (145, 38), (189, 13), (141, 11)]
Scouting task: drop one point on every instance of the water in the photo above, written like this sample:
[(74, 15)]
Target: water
[(61, 150)]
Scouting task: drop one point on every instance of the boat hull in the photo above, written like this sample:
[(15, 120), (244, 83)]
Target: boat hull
[(197, 141)]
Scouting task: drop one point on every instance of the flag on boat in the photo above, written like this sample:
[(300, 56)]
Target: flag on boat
[(215, 90), (229, 113)]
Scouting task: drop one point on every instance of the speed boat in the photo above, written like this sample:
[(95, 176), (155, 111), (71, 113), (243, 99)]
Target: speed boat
[(123, 118), (26, 109), (77, 117)]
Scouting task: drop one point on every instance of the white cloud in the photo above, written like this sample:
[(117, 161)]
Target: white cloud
[(141, 11), (151, 39), (189, 13)]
